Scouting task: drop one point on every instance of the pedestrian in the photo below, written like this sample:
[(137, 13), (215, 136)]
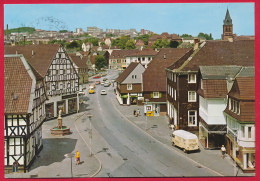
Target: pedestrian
[(223, 150), (134, 112), (77, 157), (138, 112)]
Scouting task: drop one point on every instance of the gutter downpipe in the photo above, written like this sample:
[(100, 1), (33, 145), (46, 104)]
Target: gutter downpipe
[(178, 102)]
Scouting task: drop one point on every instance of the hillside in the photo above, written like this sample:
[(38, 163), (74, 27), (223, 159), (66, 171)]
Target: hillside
[(21, 29)]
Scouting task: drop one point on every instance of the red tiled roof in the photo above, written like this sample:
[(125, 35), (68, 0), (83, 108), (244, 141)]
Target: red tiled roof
[(18, 83), (80, 62), (154, 77), (126, 72), (42, 55), (223, 53), (243, 88), (214, 89), (122, 53)]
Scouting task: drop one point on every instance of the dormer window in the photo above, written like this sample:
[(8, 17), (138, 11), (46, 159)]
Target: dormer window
[(192, 78), (234, 106)]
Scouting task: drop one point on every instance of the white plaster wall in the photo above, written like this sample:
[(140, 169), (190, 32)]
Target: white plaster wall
[(215, 111)]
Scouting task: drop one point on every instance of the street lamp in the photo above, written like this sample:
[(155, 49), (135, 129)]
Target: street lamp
[(70, 155), (90, 133), (146, 101)]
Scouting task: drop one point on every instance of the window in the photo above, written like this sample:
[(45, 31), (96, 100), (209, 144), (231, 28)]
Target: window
[(249, 132), (155, 94), (192, 78), (192, 119), (143, 59), (243, 131), (129, 87), (133, 76), (174, 77), (174, 94), (139, 59), (149, 58), (191, 96)]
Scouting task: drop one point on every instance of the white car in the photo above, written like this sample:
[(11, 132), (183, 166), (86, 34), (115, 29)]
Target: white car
[(81, 93), (103, 92)]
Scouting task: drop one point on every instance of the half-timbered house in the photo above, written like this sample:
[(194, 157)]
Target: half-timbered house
[(60, 77), (24, 112)]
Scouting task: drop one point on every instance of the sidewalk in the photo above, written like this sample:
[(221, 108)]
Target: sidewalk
[(158, 128), (51, 162)]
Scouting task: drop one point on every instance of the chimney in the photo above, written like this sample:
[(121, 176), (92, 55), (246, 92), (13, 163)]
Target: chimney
[(164, 56), (230, 39), (7, 37), (32, 53), (196, 43)]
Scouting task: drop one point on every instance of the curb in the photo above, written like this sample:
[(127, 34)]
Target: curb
[(100, 164), (164, 143)]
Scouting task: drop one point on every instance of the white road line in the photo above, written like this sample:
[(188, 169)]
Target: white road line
[(163, 143)]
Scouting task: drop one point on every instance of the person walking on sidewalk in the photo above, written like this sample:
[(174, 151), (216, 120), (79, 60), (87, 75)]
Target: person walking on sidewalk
[(138, 112), (77, 157), (223, 150)]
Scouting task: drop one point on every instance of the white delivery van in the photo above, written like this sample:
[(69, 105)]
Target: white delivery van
[(185, 140)]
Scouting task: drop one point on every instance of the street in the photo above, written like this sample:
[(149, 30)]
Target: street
[(131, 152)]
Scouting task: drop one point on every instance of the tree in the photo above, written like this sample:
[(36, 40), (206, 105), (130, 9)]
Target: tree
[(130, 44), (205, 35), (174, 44), (161, 43), (186, 35), (120, 42), (100, 62), (145, 38), (73, 44)]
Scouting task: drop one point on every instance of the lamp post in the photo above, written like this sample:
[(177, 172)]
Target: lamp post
[(70, 155), (90, 133), (146, 101)]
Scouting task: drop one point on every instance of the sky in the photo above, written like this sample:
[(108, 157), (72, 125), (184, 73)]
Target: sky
[(178, 18)]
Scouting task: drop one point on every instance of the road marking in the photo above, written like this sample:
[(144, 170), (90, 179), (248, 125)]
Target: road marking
[(163, 143)]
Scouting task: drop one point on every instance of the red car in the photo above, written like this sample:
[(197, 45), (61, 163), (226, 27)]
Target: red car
[(97, 77)]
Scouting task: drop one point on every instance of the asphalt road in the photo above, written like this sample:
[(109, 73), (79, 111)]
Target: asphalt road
[(126, 151)]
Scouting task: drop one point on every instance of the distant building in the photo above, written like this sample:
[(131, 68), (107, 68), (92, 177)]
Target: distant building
[(227, 27), (94, 31), (79, 31)]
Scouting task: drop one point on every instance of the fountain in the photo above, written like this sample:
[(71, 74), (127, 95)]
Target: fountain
[(60, 130)]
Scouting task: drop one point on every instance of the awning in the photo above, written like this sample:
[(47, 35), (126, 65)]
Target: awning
[(124, 96), (133, 96), (123, 66)]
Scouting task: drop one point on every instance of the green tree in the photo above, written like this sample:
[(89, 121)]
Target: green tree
[(145, 38), (120, 42), (161, 43), (186, 35), (130, 44), (205, 35), (100, 62), (174, 44), (73, 44), (63, 31)]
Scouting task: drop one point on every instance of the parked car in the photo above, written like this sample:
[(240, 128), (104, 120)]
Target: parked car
[(103, 92), (97, 82), (185, 140), (81, 93), (113, 80), (102, 83), (104, 79), (97, 77)]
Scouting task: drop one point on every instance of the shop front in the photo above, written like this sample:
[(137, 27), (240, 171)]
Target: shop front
[(72, 105), (49, 108), (61, 105)]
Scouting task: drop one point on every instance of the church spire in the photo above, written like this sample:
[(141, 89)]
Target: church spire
[(227, 20)]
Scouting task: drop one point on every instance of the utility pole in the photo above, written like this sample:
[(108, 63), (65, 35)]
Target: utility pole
[(90, 133)]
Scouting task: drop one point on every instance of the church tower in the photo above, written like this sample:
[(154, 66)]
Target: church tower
[(227, 27)]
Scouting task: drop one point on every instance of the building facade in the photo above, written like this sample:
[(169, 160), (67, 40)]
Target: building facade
[(60, 76), (24, 113), (129, 85)]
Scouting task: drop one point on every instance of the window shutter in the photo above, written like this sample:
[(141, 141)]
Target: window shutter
[(160, 95), (151, 95)]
